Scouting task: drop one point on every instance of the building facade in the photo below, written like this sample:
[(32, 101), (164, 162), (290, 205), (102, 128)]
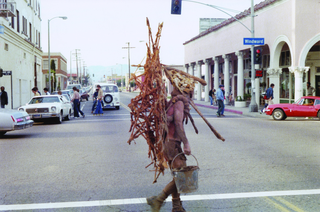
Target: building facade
[(290, 55), (20, 49), (61, 70)]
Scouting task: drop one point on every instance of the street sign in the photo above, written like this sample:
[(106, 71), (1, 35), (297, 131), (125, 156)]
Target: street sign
[(253, 41), (8, 73), (1, 29), (259, 73)]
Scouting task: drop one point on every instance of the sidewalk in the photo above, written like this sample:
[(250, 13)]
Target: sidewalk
[(238, 110)]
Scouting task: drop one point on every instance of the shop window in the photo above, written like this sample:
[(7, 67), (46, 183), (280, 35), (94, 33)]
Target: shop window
[(285, 84), (266, 61), (285, 58)]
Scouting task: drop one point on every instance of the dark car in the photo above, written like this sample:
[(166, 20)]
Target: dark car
[(84, 95)]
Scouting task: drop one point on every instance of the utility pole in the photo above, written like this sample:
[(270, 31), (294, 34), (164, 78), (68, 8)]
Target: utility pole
[(129, 63), (77, 64), (253, 107)]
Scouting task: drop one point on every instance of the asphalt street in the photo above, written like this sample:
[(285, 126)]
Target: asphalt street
[(86, 164)]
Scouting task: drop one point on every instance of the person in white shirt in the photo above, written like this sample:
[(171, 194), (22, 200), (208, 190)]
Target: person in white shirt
[(46, 91)]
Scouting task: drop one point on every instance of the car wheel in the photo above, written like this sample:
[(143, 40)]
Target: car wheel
[(318, 114), (87, 99), (68, 117), (108, 98), (278, 114), (59, 119), (117, 107)]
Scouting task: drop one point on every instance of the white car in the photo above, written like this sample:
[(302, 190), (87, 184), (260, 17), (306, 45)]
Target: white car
[(111, 96), (13, 120), (48, 106)]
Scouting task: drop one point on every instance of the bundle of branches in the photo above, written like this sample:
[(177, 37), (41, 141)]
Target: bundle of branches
[(148, 116)]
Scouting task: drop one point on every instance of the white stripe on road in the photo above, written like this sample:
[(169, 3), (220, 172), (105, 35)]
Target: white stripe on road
[(143, 200)]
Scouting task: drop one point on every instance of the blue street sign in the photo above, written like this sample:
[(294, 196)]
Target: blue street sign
[(1, 29), (253, 41)]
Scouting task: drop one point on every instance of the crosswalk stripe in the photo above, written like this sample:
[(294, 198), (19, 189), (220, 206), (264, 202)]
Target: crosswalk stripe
[(134, 201)]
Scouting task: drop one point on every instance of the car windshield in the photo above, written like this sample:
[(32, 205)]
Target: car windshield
[(63, 92), (109, 88), (38, 100), (70, 87)]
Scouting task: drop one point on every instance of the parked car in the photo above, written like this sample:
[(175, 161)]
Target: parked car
[(70, 86), (306, 106), (51, 106), (68, 92), (13, 120)]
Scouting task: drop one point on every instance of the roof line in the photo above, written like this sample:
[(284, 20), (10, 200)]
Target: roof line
[(241, 15)]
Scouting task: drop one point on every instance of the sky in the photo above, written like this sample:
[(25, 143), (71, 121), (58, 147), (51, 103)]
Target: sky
[(100, 28)]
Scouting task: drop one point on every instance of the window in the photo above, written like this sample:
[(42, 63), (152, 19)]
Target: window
[(18, 21), (285, 59), (45, 64), (24, 26), (12, 22), (265, 61), (6, 47), (30, 30)]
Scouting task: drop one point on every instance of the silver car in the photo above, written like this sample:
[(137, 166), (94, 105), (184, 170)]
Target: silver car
[(13, 120)]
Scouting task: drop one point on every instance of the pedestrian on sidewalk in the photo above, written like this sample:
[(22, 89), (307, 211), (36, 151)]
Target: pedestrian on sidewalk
[(211, 94), (46, 91), (220, 99), (268, 101), (310, 89), (4, 97)]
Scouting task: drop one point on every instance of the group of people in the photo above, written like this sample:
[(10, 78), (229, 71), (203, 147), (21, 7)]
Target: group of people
[(97, 101), (76, 103)]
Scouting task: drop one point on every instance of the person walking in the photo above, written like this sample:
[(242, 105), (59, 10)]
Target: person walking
[(310, 89), (35, 91), (46, 91), (4, 97), (268, 101), (220, 99), (176, 114), (79, 107), (211, 96), (99, 110), (75, 100), (95, 96)]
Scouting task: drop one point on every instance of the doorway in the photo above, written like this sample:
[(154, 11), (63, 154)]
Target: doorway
[(317, 87)]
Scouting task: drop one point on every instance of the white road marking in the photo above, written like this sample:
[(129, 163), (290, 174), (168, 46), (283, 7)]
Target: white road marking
[(134, 201)]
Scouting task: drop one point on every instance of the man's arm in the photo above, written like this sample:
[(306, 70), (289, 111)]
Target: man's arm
[(178, 115)]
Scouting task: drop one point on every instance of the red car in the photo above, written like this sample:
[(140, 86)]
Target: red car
[(306, 106)]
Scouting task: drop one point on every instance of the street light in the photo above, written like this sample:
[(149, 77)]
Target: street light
[(49, 68)]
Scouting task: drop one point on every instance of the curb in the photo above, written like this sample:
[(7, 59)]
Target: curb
[(215, 107)]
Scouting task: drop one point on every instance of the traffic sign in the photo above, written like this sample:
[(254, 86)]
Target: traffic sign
[(253, 41), (259, 73), (8, 73)]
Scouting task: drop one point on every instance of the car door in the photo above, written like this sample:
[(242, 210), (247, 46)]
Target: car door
[(302, 109), (63, 106)]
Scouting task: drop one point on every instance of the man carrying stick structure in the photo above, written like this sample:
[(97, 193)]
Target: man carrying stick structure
[(161, 123)]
